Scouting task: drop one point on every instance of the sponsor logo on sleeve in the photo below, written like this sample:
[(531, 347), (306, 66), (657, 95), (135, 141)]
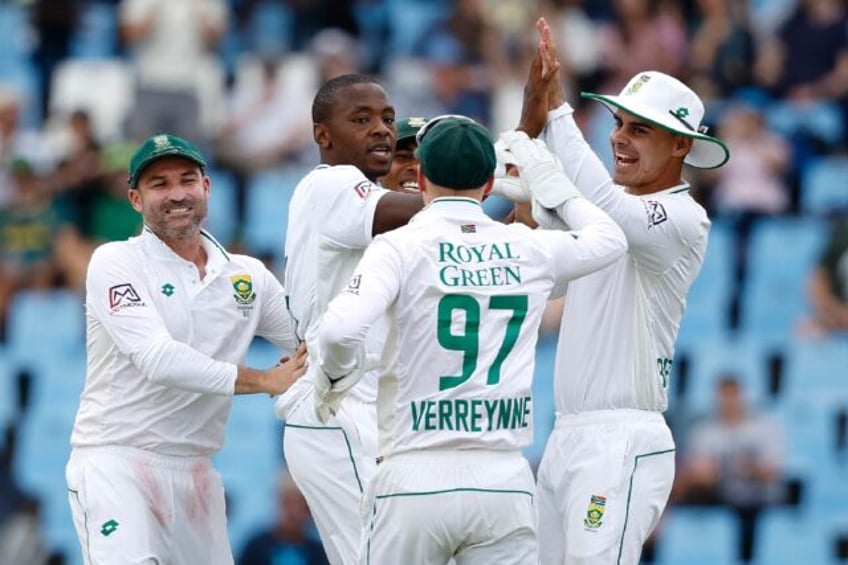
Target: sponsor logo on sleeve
[(364, 188), (124, 296), (468, 228), (656, 213), (353, 285)]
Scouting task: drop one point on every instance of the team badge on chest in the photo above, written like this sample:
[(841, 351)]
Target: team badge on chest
[(244, 296), (595, 512)]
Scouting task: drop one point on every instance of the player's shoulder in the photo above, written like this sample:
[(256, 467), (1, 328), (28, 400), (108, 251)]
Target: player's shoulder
[(117, 251), (331, 181), (248, 263), (678, 206), (336, 173)]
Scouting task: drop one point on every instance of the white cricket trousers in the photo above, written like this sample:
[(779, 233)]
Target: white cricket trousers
[(428, 507), (134, 507), (603, 484), (331, 463)]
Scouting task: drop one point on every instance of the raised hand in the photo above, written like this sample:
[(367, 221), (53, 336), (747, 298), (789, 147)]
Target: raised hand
[(544, 69), (550, 59)]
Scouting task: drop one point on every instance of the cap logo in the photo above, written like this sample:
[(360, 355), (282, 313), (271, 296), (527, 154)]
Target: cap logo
[(636, 86), (417, 122), (682, 112), (161, 141)]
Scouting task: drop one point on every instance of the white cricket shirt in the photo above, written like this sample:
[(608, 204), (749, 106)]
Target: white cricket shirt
[(616, 342), (465, 295), (331, 218), (163, 345)]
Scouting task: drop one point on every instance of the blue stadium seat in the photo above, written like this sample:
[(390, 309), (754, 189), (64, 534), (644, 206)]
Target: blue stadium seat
[(222, 221), (409, 20), (544, 409), (24, 77), (96, 34), (823, 189), (708, 301), (7, 395), (43, 448), (697, 536), (810, 428), (822, 119), (781, 255), (41, 323), (746, 359), (788, 537), (269, 28), (825, 492), (15, 41), (815, 368), (267, 210)]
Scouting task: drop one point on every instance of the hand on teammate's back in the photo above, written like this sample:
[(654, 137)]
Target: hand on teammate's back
[(287, 371)]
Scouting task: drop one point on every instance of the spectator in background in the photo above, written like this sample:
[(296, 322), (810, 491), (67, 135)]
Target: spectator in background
[(579, 45), (180, 79), (267, 123), (722, 49), (462, 51), (754, 181), (289, 539), (17, 142), (336, 53), (828, 286), (734, 458), (805, 63), (55, 22), (109, 217), (28, 226), (76, 175), (645, 34)]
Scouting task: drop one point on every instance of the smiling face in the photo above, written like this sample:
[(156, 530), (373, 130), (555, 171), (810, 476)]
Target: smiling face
[(359, 131), (171, 196), (646, 158), (403, 175)]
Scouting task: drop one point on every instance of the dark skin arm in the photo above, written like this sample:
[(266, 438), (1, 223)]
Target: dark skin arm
[(542, 91), (394, 210)]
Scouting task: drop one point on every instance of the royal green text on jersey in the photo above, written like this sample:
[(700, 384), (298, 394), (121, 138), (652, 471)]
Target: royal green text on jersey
[(471, 415), (464, 265)]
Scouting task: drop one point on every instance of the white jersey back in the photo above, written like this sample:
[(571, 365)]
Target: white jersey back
[(616, 342), (331, 217), (467, 295)]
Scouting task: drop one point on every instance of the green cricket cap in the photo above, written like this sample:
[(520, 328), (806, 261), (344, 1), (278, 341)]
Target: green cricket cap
[(158, 146), (408, 127), (456, 152)]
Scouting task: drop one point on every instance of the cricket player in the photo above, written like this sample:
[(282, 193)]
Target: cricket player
[(465, 295), (170, 315), (608, 467), (403, 175), (334, 213)]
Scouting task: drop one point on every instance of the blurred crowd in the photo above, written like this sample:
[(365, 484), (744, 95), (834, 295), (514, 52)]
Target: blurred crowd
[(82, 82)]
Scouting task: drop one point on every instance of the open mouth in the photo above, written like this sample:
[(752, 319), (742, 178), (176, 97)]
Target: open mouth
[(384, 151), (179, 211), (410, 185), (622, 160)]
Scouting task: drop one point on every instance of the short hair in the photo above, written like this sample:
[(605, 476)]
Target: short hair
[(325, 98)]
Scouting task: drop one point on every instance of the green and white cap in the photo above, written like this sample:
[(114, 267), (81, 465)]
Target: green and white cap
[(158, 146), (408, 127), (668, 103)]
